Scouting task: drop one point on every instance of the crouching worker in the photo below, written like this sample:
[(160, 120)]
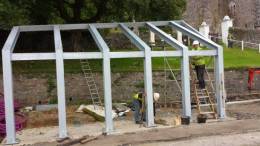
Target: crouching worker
[(138, 108)]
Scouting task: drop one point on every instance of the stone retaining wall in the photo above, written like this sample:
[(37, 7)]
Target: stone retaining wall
[(30, 89)]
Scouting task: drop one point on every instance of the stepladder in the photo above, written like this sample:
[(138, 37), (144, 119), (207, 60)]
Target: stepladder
[(203, 98), (204, 101)]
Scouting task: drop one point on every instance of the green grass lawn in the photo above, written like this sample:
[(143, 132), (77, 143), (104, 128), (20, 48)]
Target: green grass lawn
[(73, 66), (234, 58)]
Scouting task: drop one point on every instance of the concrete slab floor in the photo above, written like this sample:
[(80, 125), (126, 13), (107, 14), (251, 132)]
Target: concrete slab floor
[(125, 125), (50, 134), (241, 139)]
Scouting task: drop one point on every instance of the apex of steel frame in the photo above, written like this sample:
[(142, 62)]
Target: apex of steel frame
[(144, 52)]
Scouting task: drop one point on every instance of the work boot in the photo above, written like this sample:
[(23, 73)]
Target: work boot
[(138, 122), (202, 87)]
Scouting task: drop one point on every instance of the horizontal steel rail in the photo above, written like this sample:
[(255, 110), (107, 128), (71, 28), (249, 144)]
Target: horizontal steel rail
[(64, 27), (113, 55)]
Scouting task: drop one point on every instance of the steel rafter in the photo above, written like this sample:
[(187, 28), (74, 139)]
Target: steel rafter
[(147, 72), (186, 106), (8, 85), (106, 77), (219, 65)]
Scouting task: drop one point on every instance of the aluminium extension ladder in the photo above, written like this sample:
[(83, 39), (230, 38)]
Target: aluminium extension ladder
[(89, 78), (204, 101)]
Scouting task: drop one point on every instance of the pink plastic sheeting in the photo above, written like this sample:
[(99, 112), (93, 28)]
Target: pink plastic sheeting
[(2, 105), (20, 123), (20, 120)]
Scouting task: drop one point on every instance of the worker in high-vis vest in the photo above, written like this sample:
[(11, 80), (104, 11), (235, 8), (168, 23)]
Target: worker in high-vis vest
[(138, 100), (199, 63), (137, 105)]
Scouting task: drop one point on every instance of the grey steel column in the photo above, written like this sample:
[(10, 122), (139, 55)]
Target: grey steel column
[(219, 65), (106, 78), (219, 76), (60, 83), (186, 105), (148, 82), (8, 97), (185, 75), (107, 92), (8, 86)]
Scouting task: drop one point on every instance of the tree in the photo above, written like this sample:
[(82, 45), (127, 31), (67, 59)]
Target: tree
[(18, 12), (80, 11), (13, 13)]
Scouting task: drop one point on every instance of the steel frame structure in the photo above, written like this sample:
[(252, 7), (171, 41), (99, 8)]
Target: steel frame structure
[(145, 52)]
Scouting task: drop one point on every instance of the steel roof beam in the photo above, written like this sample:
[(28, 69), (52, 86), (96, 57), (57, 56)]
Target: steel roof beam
[(106, 78), (147, 71), (186, 25), (12, 39), (205, 41), (64, 27), (219, 65), (133, 37), (166, 37), (130, 24), (186, 104), (98, 38)]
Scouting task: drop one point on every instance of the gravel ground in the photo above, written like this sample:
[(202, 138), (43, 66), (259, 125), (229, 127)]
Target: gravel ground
[(242, 118), (243, 139)]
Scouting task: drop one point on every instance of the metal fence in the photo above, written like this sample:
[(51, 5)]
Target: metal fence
[(238, 43)]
